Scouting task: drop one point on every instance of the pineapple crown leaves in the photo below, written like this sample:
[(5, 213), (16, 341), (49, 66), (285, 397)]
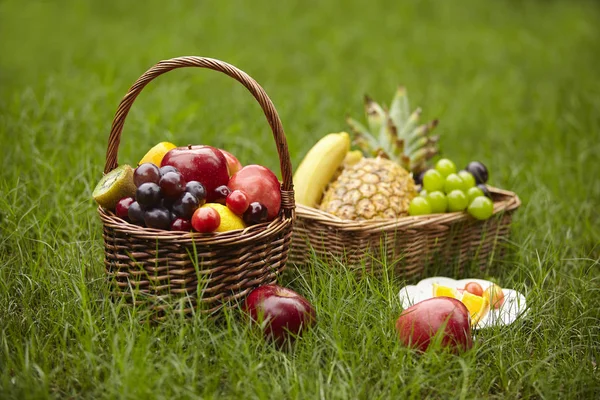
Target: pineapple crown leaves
[(395, 133)]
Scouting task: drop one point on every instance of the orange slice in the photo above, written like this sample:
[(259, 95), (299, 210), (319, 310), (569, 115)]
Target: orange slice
[(440, 290), (478, 306)]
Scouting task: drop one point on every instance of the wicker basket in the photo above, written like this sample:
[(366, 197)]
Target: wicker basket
[(185, 272), (410, 244)]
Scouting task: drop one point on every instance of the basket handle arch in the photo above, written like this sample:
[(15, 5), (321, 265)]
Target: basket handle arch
[(287, 192)]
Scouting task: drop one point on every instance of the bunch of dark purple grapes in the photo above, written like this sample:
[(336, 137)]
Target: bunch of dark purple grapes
[(163, 200)]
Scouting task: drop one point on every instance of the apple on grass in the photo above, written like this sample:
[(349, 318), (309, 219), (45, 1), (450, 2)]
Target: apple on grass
[(440, 318), (204, 164), (280, 311)]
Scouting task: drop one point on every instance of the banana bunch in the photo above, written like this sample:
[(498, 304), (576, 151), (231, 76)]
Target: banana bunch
[(321, 165)]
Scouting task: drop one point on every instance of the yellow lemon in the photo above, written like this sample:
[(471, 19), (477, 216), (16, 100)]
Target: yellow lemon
[(439, 290), (478, 306), (156, 154), (229, 221)]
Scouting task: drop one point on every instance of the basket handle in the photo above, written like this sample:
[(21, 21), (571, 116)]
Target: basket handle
[(287, 198)]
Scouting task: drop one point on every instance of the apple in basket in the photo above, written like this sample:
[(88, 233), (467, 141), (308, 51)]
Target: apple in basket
[(233, 164), (279, 311), (439, 318), (260, 185), (204, 164)]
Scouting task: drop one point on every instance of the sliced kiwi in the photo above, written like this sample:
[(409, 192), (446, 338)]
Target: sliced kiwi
[(113, 186)]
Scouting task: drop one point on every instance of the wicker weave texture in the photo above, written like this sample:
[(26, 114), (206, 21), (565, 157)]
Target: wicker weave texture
[(184, 272), (410, 243)]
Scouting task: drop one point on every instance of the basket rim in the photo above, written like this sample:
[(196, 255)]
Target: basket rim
[(505, 201), (236, 237)]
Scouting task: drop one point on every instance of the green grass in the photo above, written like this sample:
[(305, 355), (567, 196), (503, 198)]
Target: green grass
[(514, 83)]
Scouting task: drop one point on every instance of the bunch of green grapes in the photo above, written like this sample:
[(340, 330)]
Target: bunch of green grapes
[(446, 190)]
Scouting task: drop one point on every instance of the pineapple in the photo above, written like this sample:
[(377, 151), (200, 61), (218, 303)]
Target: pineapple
[(395, 147), (372, 188)]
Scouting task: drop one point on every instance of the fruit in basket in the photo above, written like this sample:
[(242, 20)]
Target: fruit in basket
[(319, 167), (221, 194), (445, 167), (180, 224), (167, 168), (474, 192), (433, 181), (495, 295), (281, 312), (256, 213), (197, 189), (467, 178), (457, 201), (419, 206), (157, 218), (440, 318), (204, 164), (259, 184), (372, 188), (148, 195), (156, 153), (185, 205), (114, 186), (395, 134), (229, 221), (481, 208), (233, 164), (453, 182), (172, 185), (478, 170), (206, 219), (237, 201), (485, 190), (146, 172), (122, 207), (419, 177), (438, 202), (135, 213)]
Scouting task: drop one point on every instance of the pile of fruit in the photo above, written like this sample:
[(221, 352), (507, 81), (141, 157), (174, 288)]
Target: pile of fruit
[(198, 188), (381, 178), (445, 190), (478, 301)]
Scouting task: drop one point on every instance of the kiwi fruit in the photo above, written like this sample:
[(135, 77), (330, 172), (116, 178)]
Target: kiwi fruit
[(113, 186)]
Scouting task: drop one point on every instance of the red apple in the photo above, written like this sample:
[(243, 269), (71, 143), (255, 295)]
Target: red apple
[(233, 164), (204, 164), (418, 324), (282, 311), (260, 185)]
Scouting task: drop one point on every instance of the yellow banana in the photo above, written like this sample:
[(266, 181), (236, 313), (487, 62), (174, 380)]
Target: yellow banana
[(319, 166), (353, 157)]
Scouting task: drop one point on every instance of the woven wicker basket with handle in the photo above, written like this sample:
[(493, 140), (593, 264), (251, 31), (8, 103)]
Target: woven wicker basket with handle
[(408, 244), (185, 272)]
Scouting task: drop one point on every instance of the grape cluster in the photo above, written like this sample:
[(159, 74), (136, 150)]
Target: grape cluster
[(163, 199), (446, 190)]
